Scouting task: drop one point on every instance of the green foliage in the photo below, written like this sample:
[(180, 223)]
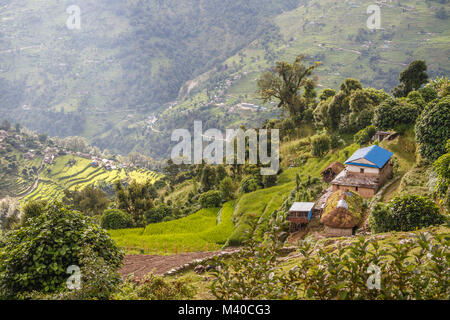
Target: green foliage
[(33, 208), (211, 199), (228, 188), (320, 144), (411, 269), (155, 287), (251, 273), (284, 84), (158, 213), (442, 168), (36, 256), (116, 219), (405, 213), (208, 178), (135, 200), (249, 184), (432, 129), (412, 78), (365, 135), (394, 112), (90, 201)]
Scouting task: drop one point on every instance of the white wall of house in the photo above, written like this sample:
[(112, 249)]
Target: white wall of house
[(357, 169)]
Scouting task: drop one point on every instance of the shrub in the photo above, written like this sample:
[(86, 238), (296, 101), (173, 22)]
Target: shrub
[(211, 199), (363, 136), (228, 188), (249, 184), (320, 144), (154, 287), (113, 219), (414, 268), (432, 129), (33, 208), (405, 213), (36, 256), (158, 214)]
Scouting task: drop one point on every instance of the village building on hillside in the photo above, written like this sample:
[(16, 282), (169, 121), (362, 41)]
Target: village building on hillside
[(300, 214), (330, 172), (382, 135), (365, 172)]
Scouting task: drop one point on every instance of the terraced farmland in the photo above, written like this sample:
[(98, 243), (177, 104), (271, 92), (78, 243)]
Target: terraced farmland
[(205, 230), (64, 175)]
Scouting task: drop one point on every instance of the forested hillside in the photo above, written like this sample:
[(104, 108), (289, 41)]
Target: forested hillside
[(138, 69)]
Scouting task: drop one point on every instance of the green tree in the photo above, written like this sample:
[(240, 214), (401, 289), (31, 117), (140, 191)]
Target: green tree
[(113, 219), (208, 178), (320, 144), (285, 82), (211, 199), (134, 199), (412, 78), (228, 188), (365, 135), (158, 213), (433, 129), (90, 200), (36, 256)]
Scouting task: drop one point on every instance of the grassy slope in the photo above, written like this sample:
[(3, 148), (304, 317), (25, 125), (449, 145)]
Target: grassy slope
[(200, 231)]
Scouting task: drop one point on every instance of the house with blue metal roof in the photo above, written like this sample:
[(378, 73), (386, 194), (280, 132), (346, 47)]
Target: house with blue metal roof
[(365, 171)]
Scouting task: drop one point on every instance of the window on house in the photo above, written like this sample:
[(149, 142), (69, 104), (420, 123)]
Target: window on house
[(356, 188), (361, 170)]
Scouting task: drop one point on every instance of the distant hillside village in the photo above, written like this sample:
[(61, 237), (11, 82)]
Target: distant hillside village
[(340, 206), (50, 153)]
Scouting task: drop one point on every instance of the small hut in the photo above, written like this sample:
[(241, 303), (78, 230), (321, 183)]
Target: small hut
[(330, 172), (342, 214), (300, 214)]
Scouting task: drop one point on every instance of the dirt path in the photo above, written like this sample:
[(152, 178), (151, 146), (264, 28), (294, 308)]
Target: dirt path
[(140, 265), (35, 183)]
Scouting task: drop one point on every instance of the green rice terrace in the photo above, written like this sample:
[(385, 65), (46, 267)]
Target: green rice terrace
[(63, 174)]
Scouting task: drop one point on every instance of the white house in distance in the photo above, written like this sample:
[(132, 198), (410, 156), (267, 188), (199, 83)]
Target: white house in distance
[(365, 171)]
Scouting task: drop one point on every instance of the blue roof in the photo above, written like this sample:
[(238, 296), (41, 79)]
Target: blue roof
[(374, 154)]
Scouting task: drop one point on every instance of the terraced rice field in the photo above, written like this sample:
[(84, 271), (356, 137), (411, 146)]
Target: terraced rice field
[(59, 176), (205, 230)]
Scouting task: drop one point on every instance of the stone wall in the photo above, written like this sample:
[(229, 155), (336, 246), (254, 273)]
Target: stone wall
[(338, 232)]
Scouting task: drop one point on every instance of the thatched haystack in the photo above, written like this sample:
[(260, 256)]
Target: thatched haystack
[(330, 172), (342, 212)]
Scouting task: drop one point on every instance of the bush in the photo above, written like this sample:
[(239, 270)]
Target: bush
[(228, 188), (158, 214), (365, 135), (113, 219), (211, 199), (249, 184), (154, 287), (32, 209), (320, 144), (414, 268), (432, 129), (36, 256), (405, 213)]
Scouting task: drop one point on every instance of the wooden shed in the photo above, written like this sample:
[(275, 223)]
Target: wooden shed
[(300, 214), (330, 172)]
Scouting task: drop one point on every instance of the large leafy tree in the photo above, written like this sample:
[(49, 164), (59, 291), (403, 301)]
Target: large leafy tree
[(136, 199), (36, 256), (285, 82), (433, 129), (90, 200), (412, 78)]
